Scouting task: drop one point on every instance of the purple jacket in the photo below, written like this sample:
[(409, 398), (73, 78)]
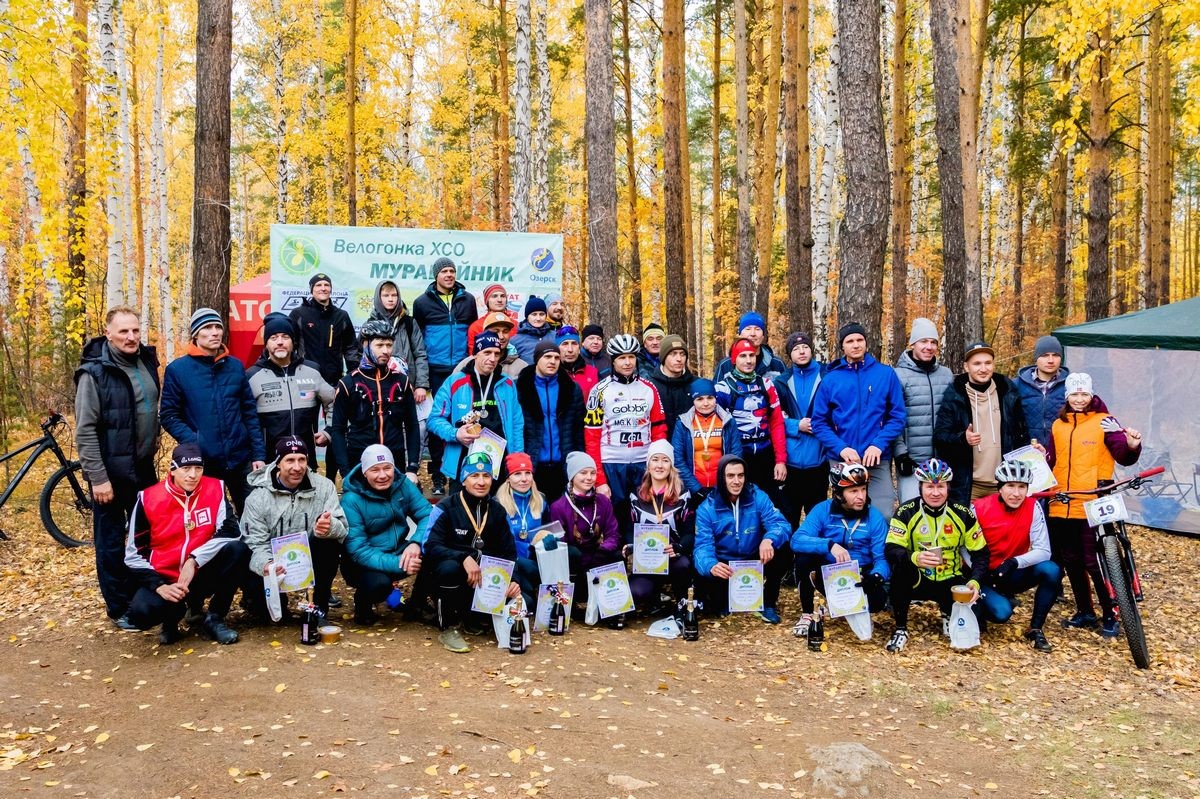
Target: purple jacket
[(591, 526)]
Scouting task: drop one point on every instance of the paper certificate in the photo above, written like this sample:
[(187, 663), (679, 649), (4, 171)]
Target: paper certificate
[(493, 446), (541, 618), (292, 552), (489, 596), (1043, 478), (650, 548), (746, 586), (843, 595), (610, 589)]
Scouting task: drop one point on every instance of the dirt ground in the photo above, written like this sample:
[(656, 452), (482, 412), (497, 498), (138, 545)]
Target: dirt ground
[(86, 710)]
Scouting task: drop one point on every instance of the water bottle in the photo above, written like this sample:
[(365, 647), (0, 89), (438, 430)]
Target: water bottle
[(691, 624)]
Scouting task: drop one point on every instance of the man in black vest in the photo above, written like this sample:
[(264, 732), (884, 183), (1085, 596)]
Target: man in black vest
[(116, 433)]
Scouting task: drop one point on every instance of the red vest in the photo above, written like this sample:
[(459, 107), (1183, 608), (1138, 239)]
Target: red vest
[(1006, 531), (170, 540)]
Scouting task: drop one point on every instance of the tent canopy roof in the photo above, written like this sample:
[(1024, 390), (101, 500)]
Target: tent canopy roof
[(1169, 327)]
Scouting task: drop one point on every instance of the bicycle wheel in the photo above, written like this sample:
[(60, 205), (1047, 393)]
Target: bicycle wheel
[(66, 507), (1131, 620)]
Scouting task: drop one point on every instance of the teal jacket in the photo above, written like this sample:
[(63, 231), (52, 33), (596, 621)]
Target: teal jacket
[(377, 524)]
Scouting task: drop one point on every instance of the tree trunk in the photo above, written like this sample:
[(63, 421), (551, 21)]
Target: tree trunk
[(1099, 176), (129, 237), (631, 188), (1059, 187), (864, 227), (745, 236), (674, 248), (210, 204), (946, 91), (1017, 160), (720, 295), (502, 129), (166, 316), (541, 177), (824, 212), (77, 164), (323, 111), (1159, 164), (108, 95), (601, 165), (765, 224), (901, 174), (970, 36), (798, 242), (279, 86), (523, 119), (351, 111)]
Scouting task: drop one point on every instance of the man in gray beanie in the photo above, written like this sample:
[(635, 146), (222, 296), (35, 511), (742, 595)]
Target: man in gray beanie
[(924, 380), (1042, 387)]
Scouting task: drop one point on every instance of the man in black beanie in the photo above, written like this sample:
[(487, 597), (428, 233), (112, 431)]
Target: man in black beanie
[(592, 350)]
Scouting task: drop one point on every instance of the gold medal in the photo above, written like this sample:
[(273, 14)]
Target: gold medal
[(189, 524)]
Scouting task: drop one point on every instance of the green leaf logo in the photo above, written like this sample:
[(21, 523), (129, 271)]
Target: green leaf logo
[(299, 255)]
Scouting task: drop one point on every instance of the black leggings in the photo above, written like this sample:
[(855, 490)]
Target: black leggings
[(217, 580), (909, 584), (716, 589)]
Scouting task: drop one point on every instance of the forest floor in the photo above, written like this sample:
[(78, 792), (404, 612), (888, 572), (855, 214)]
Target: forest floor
[(87, 710)]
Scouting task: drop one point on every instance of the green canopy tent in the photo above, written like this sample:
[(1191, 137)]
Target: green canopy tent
[(1146, 367)]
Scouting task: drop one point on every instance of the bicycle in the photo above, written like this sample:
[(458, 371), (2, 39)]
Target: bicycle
[(1107, 515), (65, 504)]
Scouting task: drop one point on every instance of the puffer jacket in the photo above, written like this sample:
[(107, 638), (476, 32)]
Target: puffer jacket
[(803, 449), (923, 391), (720, 538), (445, 328), (454, 400), (527, 338), (272, 511), (950, 430), (409, 344), (1083, 456), (569, 409), (206, 400), (863, 538), (1041, 409), (377, 524)]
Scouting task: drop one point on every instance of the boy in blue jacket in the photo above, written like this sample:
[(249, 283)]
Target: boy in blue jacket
[(838, 530), (807, 470), (738, 522)]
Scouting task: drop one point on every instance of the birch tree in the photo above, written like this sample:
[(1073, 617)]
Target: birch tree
[(108, 95), (541, 141), (522, 119)]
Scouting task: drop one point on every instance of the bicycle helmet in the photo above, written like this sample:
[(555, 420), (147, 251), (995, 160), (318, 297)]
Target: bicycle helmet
[(934, 471), (847, 475), (1014, 471), (376, 328), (623, 344)]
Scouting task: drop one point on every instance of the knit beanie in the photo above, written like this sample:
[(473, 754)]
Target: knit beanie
[(318, 278), (849, 329), (492, 289), (276, 322), (553, 298), (487, 340), (290, 445), (443, 263), (1079, 383), (671, 343), (376, 453), (202, 317), (186, 454), (660, 447), (922, 328), (702, 387), (751, 319), (650, 328), (577, 462), (533, 305), (591, 330), (740, 346), (518, 462), (475, 463), (542, 347), (567, 333), (1047, 345), (793, 340)]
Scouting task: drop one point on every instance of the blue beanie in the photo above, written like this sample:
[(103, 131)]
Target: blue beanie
[(533, 305), (475, 463), (751, 319), (567, 333), (202, 317), (702, 387)]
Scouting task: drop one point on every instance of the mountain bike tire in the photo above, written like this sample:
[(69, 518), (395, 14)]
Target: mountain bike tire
[(66, 507), (1131, 620)]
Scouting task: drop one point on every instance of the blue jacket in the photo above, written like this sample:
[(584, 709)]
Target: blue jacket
[(825, 526), (377, 525), (527, 338), (522, 523), (566, 433), (207, 400), (445, 328), (1041, 409), (858, 406), (453, 402), (803, 449), (684, 443), (720, 540)]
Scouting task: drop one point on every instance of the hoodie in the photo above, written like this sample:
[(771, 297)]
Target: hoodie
[(409, 344), (728, 530)]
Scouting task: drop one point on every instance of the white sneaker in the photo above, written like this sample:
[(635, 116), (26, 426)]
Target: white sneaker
[(898, 640), (800, 630)]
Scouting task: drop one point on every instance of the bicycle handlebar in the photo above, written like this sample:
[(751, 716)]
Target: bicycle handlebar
[(54, 418), (1135, 481)]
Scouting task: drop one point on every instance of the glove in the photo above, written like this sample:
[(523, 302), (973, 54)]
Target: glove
[(1109, 424), (871, 583), (905, 465), (1005, 569)]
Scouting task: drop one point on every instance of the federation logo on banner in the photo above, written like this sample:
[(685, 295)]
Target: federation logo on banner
[(299, 255), (542, 259)]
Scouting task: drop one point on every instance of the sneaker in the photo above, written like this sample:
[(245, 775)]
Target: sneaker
[(365, 616), (769, 615), (1038, 639), (170, 634), (800, 630), (214, 628), (439, 488), (335, 601), (1110, 627), (452, 640), (123, 623), (1084, 621), (898, 640), (945, 624)]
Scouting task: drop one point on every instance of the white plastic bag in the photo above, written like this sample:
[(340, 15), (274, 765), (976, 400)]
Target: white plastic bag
[(592, 616), (553, 565), (271, 591), (861, 624), (665, 628), (964, 629)]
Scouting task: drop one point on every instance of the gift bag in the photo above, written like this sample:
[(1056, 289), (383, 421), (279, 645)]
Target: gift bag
[(964, 628), (553, 565)]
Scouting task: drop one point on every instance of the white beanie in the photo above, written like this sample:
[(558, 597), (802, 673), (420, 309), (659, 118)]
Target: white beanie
[(660, 447), (374, 454), (1079, 383), (577, 462), (922, 328)]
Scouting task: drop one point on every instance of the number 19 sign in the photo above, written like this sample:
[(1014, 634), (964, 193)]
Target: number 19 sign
[(1106, 510)]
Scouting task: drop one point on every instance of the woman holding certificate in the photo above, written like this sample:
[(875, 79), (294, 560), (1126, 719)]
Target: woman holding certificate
[(739, 531), (664, 531), (587, 517), (527, 510)]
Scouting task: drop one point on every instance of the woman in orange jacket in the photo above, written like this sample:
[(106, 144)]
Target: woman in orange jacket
[(1086, 443)]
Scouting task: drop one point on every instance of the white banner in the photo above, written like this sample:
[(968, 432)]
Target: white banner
[(359, 258)]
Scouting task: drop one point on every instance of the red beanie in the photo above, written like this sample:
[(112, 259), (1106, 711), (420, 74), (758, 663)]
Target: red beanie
[(740, 346), (494, 287), (518, 462)]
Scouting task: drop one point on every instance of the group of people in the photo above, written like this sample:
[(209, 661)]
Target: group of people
[(532, 422)]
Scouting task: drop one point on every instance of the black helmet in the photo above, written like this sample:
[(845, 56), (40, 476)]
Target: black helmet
[(376, 328)]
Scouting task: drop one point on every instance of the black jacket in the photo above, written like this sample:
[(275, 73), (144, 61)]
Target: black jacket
[(676, 395), (327, 338), (570, 413), (289, 400), (375, 407), (116, 427), (452, 536), (950, 430)]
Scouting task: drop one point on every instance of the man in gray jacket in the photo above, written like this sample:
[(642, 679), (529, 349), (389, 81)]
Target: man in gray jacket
[(923, 381), (288, 497)]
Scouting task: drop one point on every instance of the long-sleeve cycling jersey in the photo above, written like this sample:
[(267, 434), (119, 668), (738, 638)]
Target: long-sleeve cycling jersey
[(624, 415)]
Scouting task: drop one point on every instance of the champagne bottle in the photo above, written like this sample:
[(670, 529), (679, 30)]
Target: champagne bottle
[(558, 615), (816, 631), (691, 624), (516, 633)]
